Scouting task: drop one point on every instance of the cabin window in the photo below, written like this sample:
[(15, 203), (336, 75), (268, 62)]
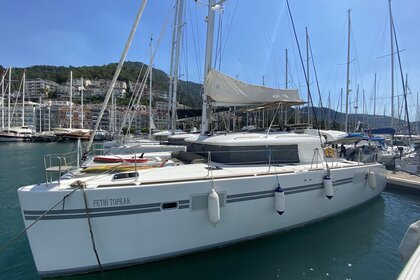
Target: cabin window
[(169, 205), (120, 176), (277, 154)]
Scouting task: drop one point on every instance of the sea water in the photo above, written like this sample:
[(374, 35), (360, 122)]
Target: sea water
[(359, 244)]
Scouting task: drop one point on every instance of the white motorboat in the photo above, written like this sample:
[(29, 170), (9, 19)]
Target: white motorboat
[(153, 214), (16, 134)]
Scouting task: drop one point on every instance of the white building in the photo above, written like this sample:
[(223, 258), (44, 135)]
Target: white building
[(39, 88)]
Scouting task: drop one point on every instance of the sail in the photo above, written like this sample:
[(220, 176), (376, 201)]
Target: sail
[(226, 91)]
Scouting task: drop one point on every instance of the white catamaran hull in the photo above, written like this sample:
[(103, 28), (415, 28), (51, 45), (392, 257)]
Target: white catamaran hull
[(130, 226)]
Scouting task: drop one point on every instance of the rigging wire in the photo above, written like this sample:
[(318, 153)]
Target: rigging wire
[(307, 83), (269, 42), (218, 43), (149, 68), (303, 66), (357, 58), (14, 239), (196, 42), (317, 82), (241, 62), (229, 27), (402, 80)]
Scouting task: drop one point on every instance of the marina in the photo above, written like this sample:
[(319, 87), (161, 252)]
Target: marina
[(121, 170)]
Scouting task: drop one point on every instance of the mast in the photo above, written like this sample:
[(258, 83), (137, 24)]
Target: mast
[(114, 115), (307, 73), (23, 97), (2, 99), (348, 71), (150, 88), (392, 63), (81, 100), (171, 71), (8, 99), (40, 115), (341, 104), (207, 64), (287, 85), (111, 119), (49, 115), (417, 110), (374, 103), (180, 13), (117, 72), (405, 93), (363, 104), (71, 99), (329, 109), (356, 102)]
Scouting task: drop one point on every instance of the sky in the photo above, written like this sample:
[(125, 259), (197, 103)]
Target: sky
[(254, 36)]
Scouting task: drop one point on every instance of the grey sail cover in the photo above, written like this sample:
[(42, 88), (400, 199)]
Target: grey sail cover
[(226, 91)]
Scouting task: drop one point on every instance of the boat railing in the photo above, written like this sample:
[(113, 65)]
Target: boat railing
[(317, 159), (57, 164)]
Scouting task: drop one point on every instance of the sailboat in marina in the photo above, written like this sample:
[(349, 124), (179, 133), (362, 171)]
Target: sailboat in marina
[(16, 133), (226, 188), (71, 133)]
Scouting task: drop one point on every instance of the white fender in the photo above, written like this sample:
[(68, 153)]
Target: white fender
[(410, 241), (280, 200), (371, 179), (214, 207), (328, 187)]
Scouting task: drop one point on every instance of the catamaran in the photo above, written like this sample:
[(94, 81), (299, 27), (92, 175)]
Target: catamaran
[(236, 187)]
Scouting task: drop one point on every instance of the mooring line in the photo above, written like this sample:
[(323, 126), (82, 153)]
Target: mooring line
[(83, 186), (13, 240)]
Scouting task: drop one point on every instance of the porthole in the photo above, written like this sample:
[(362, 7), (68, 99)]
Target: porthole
[(169, 205)]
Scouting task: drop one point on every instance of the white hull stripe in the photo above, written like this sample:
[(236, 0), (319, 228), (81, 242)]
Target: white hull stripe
[(156, 207)]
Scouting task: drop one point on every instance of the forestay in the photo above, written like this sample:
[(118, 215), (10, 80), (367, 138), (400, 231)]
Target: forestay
[(226, 91)]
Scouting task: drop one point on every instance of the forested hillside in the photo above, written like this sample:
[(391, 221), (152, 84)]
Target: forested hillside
[(188, 92)]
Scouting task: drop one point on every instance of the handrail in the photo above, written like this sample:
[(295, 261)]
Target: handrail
[(63, 160)]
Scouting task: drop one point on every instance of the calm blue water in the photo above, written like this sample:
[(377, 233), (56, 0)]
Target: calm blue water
[(359, 244)]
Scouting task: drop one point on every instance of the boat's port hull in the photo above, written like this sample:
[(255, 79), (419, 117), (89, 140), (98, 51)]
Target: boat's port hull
[(133, 223)]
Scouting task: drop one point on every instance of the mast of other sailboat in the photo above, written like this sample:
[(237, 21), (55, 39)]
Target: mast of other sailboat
[(8, 98), (348, 71), (71, 99), (179, 24), (207, 65), (392, 63), (23, 97), (81, 100), (150, 88)]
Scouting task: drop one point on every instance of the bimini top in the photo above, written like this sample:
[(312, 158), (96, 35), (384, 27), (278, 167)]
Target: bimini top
[(226, 91), (329, 135), (383, 130)]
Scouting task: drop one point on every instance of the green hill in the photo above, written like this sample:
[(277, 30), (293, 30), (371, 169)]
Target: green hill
[(189, 93)]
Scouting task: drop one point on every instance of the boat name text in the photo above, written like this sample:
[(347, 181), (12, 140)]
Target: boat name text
[(120, 201)]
